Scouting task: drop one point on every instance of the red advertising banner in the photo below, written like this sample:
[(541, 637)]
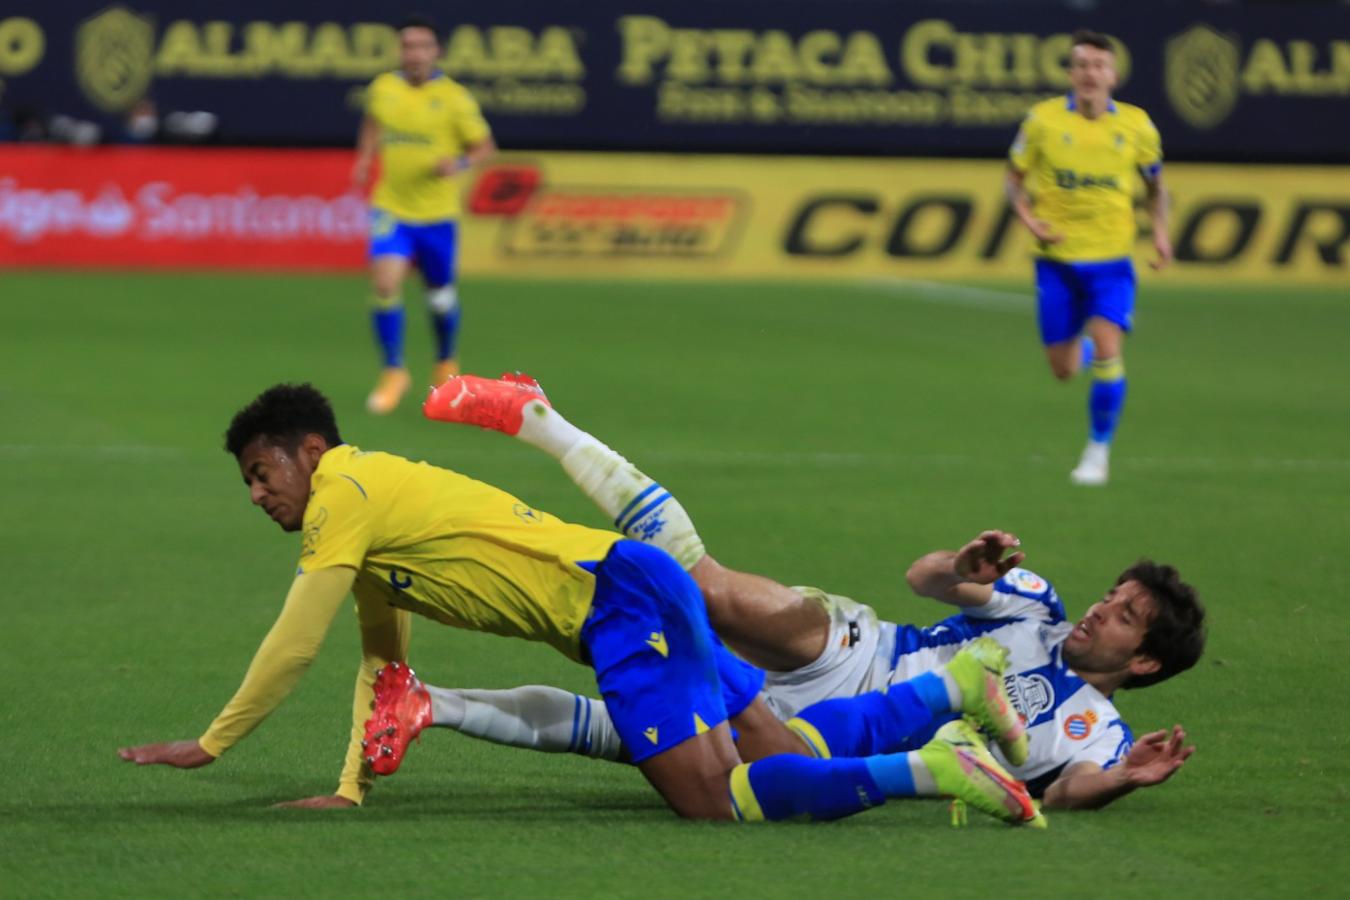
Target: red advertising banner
[(194, 208)]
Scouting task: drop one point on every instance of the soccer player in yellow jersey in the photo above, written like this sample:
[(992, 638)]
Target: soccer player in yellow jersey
[(1075, 165), (407, 537), (426, 129)]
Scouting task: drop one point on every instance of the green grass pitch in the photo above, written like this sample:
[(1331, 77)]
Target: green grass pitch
[(820, 434)]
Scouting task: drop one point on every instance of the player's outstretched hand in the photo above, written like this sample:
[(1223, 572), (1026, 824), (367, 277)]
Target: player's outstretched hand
[(323, 801), (180, 754), (982, 561), (1156, 756)]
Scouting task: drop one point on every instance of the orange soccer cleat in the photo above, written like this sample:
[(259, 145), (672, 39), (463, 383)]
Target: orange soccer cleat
[(389, 390), (402, 710), (446, 368), (497, 405)]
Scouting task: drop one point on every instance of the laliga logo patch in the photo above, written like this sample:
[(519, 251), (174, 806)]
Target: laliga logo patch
[(1027, 581), (1078, 727)]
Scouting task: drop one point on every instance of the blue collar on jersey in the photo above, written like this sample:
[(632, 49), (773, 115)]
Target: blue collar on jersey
[(435, 73), (1071, 104)]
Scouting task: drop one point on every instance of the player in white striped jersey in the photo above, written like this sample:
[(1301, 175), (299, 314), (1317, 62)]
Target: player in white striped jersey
[(817, 646)]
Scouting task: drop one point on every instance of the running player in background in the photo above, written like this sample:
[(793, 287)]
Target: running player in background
[(409, 537), (1072, 182), (817, 646), (426, 129)]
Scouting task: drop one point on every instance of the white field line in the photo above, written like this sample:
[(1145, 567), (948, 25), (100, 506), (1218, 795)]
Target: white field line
[(958, 294), (125, 451), (785, 459)]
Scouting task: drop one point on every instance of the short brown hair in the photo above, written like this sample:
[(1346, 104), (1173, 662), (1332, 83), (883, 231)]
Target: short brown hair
[(1176, 636), (1092, 39)]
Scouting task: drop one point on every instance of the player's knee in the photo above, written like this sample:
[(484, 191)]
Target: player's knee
[(1063, 368), (706, 798), (443, 299), (386, 284)]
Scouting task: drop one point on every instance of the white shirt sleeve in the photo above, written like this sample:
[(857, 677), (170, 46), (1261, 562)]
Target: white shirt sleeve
[(1106, 748), (1021, 594)]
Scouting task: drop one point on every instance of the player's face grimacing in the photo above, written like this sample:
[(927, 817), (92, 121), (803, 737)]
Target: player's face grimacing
[(417, 51), (1108, 637), (1092, 72), (278, 481)]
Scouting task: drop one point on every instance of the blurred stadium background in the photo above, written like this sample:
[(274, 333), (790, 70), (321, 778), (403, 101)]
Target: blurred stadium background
[(764, 250)]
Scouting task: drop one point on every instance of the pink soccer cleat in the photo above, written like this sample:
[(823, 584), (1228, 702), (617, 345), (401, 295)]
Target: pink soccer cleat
[(402, 710), (497, 405)]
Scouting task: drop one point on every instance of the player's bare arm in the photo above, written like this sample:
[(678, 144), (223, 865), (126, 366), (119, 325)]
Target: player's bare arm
[(1154, 759), (1014, 186), (1159, 203), (474, 155), (367, 141), (964, 577)]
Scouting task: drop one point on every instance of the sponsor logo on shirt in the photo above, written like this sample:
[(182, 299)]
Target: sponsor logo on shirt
[(1027, 581), (1031, 694)]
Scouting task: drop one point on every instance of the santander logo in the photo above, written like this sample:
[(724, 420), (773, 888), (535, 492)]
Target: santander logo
[(160, 211)]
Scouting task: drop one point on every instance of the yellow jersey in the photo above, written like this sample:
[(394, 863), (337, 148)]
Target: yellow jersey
[(420, 126), (440, 544), (1083, 174)]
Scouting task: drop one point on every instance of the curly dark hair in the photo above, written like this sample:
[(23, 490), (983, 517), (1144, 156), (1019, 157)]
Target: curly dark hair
[(1092, 39), (1176, 636), (282, 415)]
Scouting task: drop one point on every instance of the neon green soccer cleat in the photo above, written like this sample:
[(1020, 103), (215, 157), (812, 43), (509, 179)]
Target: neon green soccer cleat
[(963, 768), (978, 669)]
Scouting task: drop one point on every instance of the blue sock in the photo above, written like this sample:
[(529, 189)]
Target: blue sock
[(874, 722), (446, 327), (787, 786), (1089, 350), (892, 774), (1106, 398), (388, 325)]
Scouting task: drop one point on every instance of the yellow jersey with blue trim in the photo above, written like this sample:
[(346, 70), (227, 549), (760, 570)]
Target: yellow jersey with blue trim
[(420, 125), (1083, 175), (440, 544)]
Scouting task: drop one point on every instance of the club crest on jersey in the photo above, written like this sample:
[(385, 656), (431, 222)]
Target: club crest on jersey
[(309, 538), (1079, 726), (1031, 695)]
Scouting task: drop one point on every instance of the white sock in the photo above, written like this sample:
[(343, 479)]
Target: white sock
[(1097, 450), (641, 508), (544, 427), (924, 783), (534, 717), (953, 689)]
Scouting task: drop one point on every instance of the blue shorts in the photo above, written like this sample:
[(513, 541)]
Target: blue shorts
[(663, 673), (430, 245), (1070, 293)]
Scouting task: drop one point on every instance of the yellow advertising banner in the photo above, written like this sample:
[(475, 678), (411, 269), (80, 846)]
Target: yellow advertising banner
[(654, 215)]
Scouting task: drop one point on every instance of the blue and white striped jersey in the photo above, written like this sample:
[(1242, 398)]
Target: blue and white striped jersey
[(1068, 720)]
